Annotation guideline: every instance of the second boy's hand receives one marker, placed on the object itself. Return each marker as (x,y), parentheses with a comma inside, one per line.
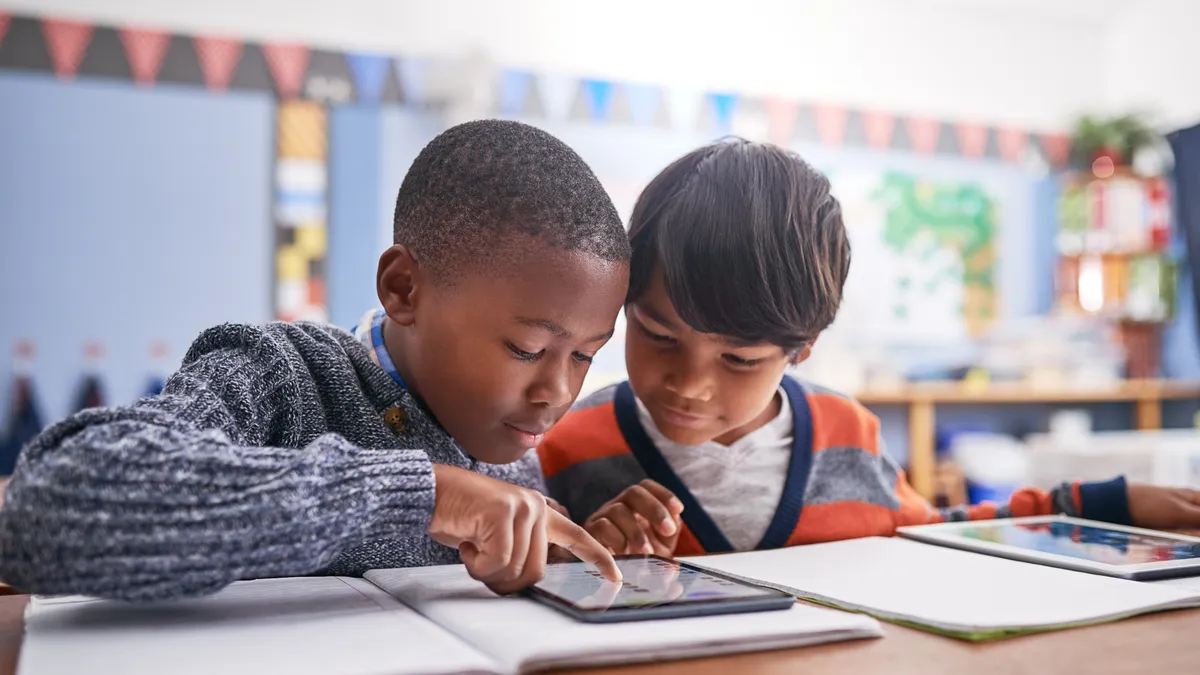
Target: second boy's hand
(644,518)
(503,532)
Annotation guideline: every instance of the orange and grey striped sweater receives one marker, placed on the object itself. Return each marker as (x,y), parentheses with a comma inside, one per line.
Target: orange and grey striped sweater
(839,483)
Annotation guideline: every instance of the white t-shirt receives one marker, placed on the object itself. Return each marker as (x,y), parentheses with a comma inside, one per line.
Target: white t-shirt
(739,485)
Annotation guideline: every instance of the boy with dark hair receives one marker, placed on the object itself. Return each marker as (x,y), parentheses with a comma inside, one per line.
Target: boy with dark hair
(291,449)
(739,258)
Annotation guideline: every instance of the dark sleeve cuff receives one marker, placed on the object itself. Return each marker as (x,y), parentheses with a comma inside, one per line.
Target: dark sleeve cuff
(1107,501)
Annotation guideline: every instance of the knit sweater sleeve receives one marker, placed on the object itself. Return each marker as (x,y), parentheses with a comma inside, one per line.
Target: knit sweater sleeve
(183,493)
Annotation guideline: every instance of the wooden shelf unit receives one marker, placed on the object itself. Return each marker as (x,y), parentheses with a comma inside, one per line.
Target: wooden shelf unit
(922,398)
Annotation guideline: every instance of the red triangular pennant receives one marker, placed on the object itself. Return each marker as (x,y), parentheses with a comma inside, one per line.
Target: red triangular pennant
(972,139)
(145,50)
(923,133)
(67,40)
(781,119)
(1057,148)
(288,64)
(1012,144)
(831,124)
(879,127)
(5,19)
(218,59)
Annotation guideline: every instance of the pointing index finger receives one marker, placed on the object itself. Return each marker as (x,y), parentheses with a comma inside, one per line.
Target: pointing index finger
(575,539)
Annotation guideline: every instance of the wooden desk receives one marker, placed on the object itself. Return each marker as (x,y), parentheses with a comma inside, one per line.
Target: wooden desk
(923,397)
(1161,643)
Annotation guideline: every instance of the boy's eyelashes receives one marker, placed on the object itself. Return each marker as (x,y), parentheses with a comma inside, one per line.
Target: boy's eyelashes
(657,337)
(732,359)
(532,357)
(739,362)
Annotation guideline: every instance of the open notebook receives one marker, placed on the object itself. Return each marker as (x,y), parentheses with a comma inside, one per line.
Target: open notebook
(948,591)
(426,621)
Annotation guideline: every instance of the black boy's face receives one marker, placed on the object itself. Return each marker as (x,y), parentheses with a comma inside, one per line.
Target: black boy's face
(500,356)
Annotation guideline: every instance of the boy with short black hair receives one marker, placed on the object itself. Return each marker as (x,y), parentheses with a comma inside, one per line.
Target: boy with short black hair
(291,449)
(739,259)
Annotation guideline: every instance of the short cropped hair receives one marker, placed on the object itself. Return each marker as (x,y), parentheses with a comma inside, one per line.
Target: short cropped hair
(473,189)
(750,242)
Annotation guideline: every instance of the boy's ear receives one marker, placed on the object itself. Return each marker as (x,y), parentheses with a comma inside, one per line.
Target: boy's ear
(805,352)
(399,282)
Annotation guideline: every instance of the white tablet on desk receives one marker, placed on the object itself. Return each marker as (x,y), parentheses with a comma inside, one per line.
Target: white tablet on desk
(1073,543)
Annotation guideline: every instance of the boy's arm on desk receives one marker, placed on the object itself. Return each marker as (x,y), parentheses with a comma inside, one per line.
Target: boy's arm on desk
(180,494)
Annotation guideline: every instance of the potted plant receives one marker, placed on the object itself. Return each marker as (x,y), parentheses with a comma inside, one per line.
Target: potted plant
(1117,139)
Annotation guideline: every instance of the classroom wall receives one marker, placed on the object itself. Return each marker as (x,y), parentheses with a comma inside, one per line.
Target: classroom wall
(1150,61)
(127,217)
(371,148)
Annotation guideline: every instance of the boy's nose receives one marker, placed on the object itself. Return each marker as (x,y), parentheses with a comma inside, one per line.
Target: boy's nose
(689,384)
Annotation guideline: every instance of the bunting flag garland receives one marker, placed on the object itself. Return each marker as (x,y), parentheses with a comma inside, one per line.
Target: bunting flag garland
(370,73)
(831,124)
(412,75)
(557,93)
(145,50)
(219,59)
(781,119)
(514,90)
(923,134)
(5,19)
(683,108)
(1057,148)
(599,95)
(645,102)
(67,41)
(145,56)
(723,106)
(972,139)
(287,63)
(879,126)
(1012,144)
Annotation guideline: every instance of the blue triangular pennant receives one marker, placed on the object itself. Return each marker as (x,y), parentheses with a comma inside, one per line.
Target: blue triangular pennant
(599,95)
(412,74)
(370,75)
(514,87)
(644,100)
(723,106)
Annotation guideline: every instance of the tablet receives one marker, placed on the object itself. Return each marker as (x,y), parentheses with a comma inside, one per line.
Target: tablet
(1073,543)
(653,588)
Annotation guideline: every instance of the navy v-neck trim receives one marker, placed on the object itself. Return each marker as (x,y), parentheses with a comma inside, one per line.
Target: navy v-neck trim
(710,536)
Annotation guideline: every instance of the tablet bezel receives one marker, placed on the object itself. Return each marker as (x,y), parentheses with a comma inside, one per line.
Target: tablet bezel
(772,599)
(946,534)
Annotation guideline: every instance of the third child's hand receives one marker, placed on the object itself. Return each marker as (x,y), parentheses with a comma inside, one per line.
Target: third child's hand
(642,519)
(1163,508)
(504,532)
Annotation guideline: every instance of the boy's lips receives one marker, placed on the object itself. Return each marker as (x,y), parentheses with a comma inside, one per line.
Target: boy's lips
(529,433)
(682,418)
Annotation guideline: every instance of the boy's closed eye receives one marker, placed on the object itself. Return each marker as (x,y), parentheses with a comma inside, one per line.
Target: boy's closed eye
(532,357)
(737,361)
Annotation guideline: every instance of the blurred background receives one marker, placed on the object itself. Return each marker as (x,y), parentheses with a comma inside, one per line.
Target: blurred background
(1019,179)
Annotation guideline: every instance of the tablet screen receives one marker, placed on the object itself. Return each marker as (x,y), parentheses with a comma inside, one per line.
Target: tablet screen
(648,582)
(1098,544)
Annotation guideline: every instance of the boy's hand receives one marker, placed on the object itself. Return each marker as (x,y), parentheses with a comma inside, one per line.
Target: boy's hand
(642,519)
(504,532)
(1163,508)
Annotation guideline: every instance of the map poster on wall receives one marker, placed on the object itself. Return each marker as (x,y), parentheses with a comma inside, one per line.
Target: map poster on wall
(924,257)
